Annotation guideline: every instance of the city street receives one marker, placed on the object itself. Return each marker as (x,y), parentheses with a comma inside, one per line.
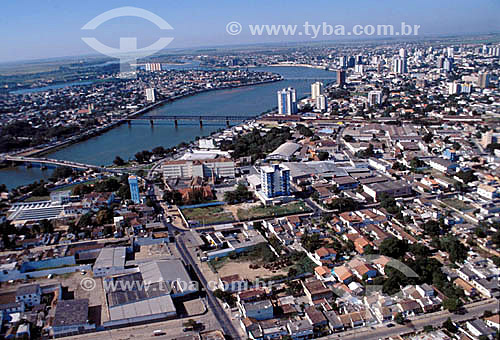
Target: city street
(474,310)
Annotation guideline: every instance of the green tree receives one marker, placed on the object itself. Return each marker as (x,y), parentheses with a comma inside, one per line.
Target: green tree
(84,221)
(119,161)
(450,326)
(452,304)
(323,155)
(399,318)
(104,216)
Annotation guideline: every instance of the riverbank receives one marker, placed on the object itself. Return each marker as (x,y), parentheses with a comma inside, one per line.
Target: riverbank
(99,131)
(126,140)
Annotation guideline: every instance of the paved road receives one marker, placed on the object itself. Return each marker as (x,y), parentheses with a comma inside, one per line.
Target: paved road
(474,310)
(213,303)
(172,328)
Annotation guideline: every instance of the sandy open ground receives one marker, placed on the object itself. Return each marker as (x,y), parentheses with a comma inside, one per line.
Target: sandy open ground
(243,268)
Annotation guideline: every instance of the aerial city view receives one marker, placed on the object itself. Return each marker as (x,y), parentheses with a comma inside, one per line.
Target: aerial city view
(250,170)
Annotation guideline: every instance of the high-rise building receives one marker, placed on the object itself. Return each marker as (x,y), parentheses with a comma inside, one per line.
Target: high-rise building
(466,88)
(374,98)
(351,61)
(440,61)
(321,103)
(341,75)
(316,90)
(152,67)
(450,51)
(134,189)
(275,180)
(399,65)
(483,79)
(448,64)
(454,88)
(487,138)
(150,95)
(402,53)
(343,61)
(287,101)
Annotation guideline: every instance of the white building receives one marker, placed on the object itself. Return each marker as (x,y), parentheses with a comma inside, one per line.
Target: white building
(316,90)
(487,191)
(375,98)
(110,261)
(275,180)
(205,168)
(150,95)
(321,103)
(287,101)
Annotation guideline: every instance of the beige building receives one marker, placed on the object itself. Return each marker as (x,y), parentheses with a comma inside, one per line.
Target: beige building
(217,167)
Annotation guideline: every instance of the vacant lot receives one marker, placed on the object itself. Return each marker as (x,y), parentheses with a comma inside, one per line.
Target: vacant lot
(243,268)
(259,212)
(458,204)
(208,215)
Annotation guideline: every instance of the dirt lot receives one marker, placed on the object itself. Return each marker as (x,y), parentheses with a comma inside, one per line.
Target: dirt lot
(243,268)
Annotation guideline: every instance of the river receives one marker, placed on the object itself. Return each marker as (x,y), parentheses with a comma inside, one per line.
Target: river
(125,140)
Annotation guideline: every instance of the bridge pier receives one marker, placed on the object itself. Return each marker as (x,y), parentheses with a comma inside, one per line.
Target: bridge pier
(129,122)
(227,123)
(151,122)
(201,124)
(176,123)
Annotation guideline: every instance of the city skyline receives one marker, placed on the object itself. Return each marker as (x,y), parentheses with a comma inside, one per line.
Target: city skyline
(51,29)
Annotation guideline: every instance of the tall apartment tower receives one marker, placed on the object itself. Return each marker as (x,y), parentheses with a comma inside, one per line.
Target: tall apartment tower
(287,101)
(399,65)
(134,189)
(321,103)
(150,95)
(483,79)
(316,90)
(341,75)
(275,180)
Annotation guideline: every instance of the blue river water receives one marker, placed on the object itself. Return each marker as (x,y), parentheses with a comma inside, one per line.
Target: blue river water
(126,140)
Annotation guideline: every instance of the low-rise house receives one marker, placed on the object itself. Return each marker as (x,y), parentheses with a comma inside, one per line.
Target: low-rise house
(409,307)
(300,329)
(316,290)
(232,283)
(324,254)
(343,274)
(323,273)
(334,321)
(493,321)
(477,328)
(251,295)
(259,310)
(365,270)
(315,317)
(469,290)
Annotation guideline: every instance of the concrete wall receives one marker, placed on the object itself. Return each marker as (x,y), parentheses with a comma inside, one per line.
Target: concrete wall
(50,263)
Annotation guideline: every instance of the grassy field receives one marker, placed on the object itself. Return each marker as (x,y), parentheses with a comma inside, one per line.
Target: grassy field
(208,215)
(457,204)
(259,212)
(37,198)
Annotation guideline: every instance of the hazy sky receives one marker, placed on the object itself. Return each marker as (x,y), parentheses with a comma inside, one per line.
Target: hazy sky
(51,28)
